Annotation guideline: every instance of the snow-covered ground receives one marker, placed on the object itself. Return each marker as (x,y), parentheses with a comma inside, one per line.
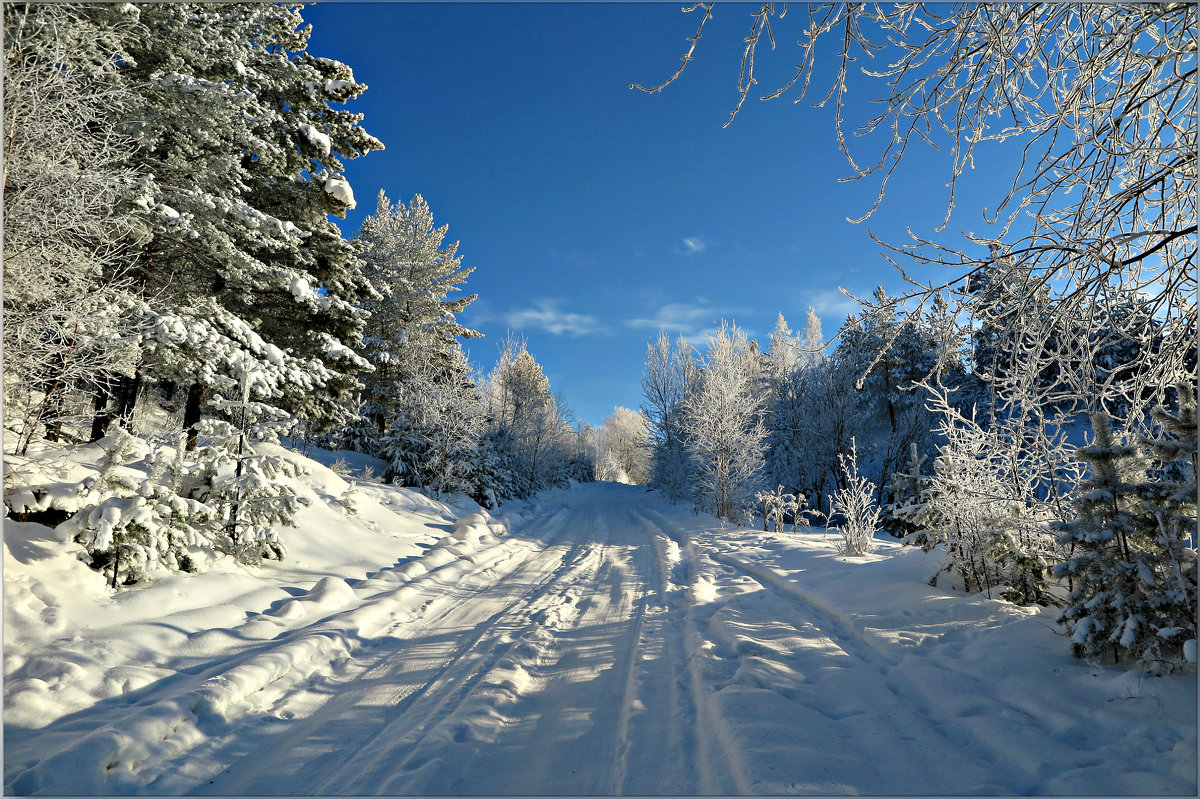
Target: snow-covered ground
(596,640)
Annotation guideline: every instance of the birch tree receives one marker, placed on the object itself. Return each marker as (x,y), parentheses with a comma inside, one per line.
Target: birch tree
(669,376)
(1099,98)
(67,229)
(723,419)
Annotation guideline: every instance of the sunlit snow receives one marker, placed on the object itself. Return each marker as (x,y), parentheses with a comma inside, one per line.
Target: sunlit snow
(595,640)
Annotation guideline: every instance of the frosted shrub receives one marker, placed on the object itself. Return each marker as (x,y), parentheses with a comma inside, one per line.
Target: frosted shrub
(348,501)
(856,503)
(992,497)
(780,505)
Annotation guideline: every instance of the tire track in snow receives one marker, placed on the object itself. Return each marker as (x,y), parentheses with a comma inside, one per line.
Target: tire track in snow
(983,765)
(717,767)
(628,697)
(505,634)
(134,745)
(431,697)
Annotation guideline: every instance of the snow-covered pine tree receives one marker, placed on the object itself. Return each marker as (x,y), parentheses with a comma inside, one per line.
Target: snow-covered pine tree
(216,268)
(317,314)
(142,524)
(888,352)
(412,335)
(723,419)
(785,408)
(493,469)
(810,415)
(906,496)
(245,486)
(1134,575)
(1171,497)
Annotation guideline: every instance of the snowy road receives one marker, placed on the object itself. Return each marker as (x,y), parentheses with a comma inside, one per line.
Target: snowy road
(614,644)
(547,666)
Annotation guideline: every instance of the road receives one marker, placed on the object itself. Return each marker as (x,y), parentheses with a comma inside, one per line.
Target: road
(610,644)
(554,664)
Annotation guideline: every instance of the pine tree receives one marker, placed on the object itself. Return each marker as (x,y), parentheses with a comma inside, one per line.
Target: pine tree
(907,494)
(243,485)
(240,268)
(412,334)
(1134,595)
(144,523)
(888,352)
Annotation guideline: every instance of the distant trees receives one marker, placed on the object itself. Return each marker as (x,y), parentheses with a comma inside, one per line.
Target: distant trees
(528,427)
(622,448)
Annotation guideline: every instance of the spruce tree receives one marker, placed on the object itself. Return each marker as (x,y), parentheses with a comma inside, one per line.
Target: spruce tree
(1134,594)
(240,269)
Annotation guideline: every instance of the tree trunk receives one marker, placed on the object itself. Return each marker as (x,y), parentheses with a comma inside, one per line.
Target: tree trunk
(101,418)
(54,422)
(127,396)
(191,413)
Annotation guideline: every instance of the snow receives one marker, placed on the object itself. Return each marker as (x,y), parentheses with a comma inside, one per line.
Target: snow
(594,640)
(300,288)
(317,139)
(339,188)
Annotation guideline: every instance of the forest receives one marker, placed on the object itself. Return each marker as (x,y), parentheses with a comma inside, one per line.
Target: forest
(176,294)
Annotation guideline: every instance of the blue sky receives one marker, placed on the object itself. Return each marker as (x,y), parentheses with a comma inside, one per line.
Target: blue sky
(595,214)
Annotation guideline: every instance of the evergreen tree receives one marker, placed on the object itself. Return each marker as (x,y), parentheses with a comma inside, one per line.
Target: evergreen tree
(412,334)
(1133,573)
(240,268)
(888,352)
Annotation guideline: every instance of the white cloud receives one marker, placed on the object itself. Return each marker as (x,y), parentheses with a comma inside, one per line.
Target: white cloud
(693,320)
(694,244)
(548,316)
(832,306)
